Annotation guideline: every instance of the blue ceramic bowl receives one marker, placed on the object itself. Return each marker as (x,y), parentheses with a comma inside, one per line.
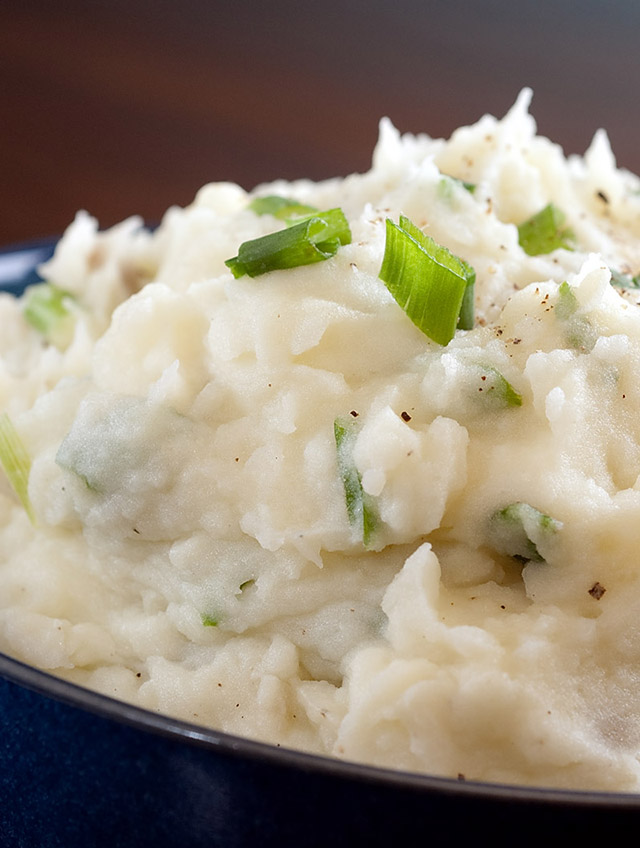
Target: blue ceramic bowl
(79,769)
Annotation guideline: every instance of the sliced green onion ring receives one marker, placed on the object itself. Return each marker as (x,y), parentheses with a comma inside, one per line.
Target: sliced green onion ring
(361,507)
(209,620)
(517,530)
(434,287)
(497,386)
(16,463)
(312,240)
(283,208)
(448,183)
(545,232)
(567,302)
(46,310)
(624,281)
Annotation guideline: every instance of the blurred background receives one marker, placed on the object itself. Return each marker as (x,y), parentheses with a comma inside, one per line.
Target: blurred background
(128,106)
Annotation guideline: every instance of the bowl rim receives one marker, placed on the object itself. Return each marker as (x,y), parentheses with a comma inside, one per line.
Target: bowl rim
(97,703)
(155,723)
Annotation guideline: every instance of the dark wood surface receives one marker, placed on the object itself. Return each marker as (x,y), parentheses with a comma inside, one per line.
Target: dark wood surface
(129,106)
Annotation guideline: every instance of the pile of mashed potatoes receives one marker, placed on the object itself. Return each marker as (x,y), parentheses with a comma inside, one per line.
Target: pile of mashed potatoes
(192,551)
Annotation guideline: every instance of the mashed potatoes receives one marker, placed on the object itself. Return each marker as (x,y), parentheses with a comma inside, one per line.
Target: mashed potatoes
(198,548)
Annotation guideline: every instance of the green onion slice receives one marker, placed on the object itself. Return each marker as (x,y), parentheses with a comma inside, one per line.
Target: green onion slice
(544,232)
(312,240)
(434,287)
(496,386)
(567,302)
(579,333)
(16,463)
(209,620)
(283,208)
(448,183)
(624,281)
(518,529)
(46,308)
(361,507)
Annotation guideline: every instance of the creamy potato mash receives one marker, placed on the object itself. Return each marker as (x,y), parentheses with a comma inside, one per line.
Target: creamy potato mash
(204,452)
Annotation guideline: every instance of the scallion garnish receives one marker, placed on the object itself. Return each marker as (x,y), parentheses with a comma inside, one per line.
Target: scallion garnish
(544,232)
(579,332)
(518,529)
(360,506)
(624,281)
(567,301)
(283,208)
(447,184)
(312,240)
(16,463)
(209,620)
(46,308)
(433,286)
(496,386)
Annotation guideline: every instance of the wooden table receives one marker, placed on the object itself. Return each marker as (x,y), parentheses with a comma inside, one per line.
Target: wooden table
(128,106)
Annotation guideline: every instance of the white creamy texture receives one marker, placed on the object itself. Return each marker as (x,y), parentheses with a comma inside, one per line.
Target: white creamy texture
(192,551)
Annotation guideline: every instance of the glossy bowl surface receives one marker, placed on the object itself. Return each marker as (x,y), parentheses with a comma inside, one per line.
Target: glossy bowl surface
(79,769)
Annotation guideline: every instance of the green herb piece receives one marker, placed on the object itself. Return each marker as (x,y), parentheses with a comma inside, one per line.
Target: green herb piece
(496,386)
(79,459)
(579,333)
(544,232)
(433,287)
(567,302)
(448,183)
(283,208)
(209,620)
(624,281)
(246,584)
(312,240)
(518,529)
(361,507)
(16,463)
(46,308)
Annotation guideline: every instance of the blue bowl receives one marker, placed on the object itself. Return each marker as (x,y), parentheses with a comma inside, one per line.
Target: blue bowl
(79,769)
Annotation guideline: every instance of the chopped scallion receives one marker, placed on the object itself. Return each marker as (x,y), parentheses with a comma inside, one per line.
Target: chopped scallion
(567,301)
(209,620)
(624,281)
(434,287)
(579,332)
(496,386)
(283,208)
(46,308)
(312,240)
(518,529)
(447,183)
(360,506)
(16,463)
(544,232)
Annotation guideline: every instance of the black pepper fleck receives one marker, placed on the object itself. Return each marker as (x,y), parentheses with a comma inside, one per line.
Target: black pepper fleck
(405,416)
(597,591)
